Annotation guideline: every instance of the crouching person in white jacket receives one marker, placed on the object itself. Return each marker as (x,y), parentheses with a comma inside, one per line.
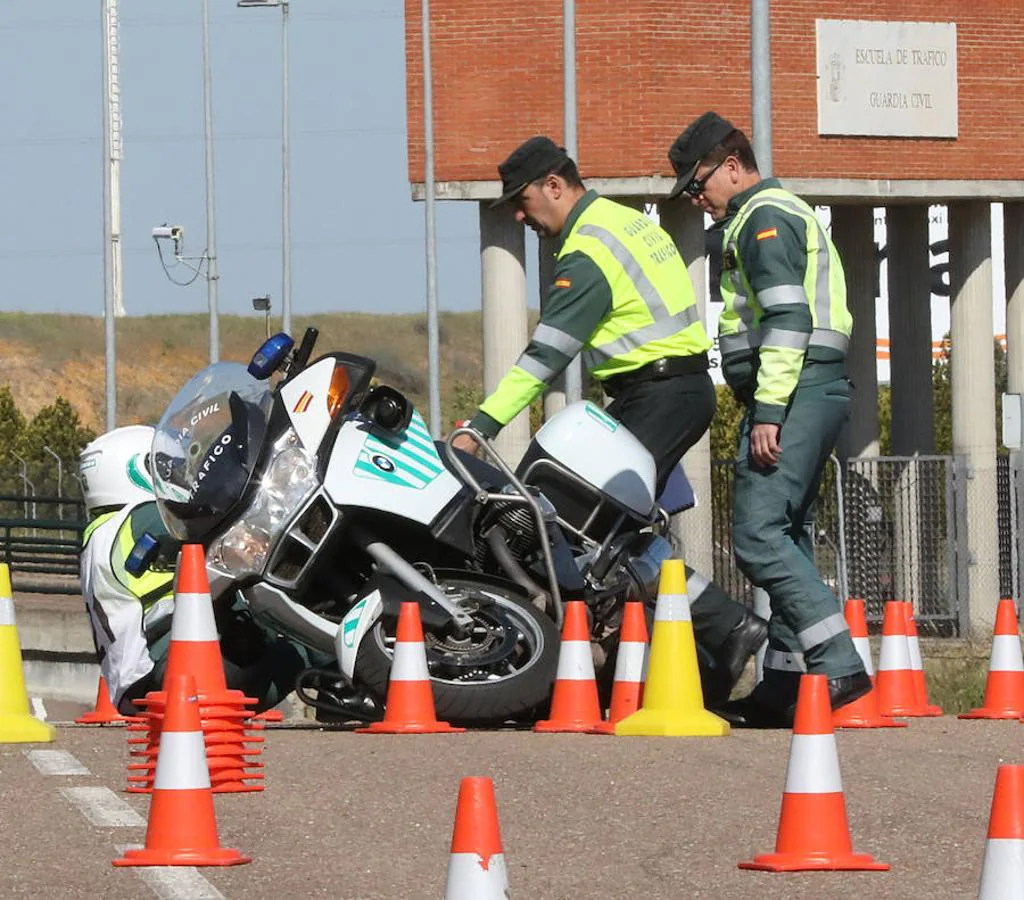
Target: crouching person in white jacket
(131,616)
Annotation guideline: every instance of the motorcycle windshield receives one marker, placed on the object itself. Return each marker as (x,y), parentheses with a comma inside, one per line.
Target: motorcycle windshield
(206,447)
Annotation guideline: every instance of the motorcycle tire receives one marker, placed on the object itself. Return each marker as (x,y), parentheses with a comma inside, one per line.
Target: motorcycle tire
(513,697)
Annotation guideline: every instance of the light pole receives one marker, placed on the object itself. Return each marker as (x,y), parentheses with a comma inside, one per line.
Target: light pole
(286,224)
(60,481)
(211,226)
(262,304)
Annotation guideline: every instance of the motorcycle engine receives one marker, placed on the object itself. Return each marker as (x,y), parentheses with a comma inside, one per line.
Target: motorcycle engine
(520,530)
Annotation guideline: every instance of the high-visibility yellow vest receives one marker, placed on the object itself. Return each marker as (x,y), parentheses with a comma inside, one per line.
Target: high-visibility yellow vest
(824,285)
(654,310)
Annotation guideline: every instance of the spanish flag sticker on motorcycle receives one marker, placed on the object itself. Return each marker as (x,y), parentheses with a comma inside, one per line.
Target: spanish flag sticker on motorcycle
(303,403)
(767,233)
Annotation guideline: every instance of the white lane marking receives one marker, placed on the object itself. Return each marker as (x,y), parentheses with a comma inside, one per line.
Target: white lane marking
(102,807)
(38,709)
(56,762)
(175,882)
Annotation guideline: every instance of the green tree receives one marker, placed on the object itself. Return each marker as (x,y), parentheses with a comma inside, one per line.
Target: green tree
(725,428)
(58,428)
(12,431)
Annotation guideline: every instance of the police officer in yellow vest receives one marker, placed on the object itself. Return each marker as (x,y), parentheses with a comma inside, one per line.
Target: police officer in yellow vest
(783,334)
(622,295)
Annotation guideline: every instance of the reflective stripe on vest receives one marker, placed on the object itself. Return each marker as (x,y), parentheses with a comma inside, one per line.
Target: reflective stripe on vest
(653,301)
(823,287)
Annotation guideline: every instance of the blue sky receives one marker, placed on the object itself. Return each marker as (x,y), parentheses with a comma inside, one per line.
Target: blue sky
(357,237)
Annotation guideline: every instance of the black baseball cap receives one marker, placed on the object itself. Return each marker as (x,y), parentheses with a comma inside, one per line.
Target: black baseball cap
(701,136)
(533,159)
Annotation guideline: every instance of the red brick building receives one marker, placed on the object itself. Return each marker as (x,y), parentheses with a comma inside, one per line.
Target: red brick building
(875,103)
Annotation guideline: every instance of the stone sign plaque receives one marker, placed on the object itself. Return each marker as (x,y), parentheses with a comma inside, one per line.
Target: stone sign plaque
(887,78)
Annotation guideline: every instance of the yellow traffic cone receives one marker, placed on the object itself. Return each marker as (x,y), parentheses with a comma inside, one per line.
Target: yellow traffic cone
(17,724)
(673,699)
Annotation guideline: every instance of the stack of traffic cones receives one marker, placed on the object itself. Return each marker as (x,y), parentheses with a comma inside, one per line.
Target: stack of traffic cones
(895,681)
(917,666)
(17,724)
(673,703)
(574,703)
(630,663)
(1004,689)
(103,713)
(476,867)
(863,712)
(813,829)
(410,702)
(225,714)
(1002,872)
(182,827)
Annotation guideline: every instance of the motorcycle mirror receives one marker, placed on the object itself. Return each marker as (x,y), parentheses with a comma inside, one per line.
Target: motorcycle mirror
(143,555)
(387,409)
(270,356)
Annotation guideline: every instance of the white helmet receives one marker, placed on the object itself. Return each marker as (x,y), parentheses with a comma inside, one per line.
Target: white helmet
(114,468)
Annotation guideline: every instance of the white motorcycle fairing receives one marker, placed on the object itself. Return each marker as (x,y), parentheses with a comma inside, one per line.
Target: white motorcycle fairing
(402,474)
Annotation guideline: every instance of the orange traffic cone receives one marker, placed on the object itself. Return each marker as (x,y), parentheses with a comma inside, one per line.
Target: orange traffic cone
(410,702)
(476,867)
(104,712)
(917,666)
(863,712)
(194,649)
(813,831)
(1004,689)
(895,681)
(630,664)
(1002,872)
(574,703)
(182,828)
(270,715)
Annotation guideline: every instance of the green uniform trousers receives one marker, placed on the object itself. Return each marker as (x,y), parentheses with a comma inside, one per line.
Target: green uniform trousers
(771,514)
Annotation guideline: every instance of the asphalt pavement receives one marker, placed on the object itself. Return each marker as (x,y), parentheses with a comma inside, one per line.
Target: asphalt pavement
(361,817)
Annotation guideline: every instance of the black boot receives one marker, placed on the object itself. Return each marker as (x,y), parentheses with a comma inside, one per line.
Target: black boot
(732,655)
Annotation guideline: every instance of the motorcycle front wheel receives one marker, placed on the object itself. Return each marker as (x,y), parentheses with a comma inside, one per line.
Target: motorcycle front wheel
(502,669)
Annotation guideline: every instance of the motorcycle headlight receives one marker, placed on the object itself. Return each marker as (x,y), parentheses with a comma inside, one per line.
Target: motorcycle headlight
(289,478)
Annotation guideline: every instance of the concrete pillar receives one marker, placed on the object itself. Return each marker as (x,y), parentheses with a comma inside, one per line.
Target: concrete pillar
(693,528)
(910,340)
(853,235)
(503,293)
(554,397)
(1013,248)
(973,389)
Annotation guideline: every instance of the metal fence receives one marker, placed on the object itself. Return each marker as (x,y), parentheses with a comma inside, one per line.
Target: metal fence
(40,541)
(883,528)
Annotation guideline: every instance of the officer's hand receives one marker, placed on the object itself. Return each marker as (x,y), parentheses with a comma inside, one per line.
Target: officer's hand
(764,444)
(465,443)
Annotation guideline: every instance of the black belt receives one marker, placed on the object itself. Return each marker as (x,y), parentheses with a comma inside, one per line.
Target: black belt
(666,367)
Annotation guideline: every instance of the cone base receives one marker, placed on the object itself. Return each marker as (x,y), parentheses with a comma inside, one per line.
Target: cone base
(669,723)
(552,726)
(814,862)
(924,712)
(880,722)
(982,713)
(270,715)
(221,856)
(94,718)
(410,728)
(21,728)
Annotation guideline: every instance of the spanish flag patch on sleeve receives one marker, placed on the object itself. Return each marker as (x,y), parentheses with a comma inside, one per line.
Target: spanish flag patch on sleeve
(563,283)
(767,233)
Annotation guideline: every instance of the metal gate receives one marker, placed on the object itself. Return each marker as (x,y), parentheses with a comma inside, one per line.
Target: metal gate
(883,528)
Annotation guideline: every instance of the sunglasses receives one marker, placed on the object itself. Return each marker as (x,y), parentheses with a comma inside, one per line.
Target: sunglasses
(695,187)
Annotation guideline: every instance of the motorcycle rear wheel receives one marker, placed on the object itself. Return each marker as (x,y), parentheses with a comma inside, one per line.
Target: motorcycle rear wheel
(502,671)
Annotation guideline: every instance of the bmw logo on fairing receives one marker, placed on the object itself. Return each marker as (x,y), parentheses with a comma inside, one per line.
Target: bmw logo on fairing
(383,463)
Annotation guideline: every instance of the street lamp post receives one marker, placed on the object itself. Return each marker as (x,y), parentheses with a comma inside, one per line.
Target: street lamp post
(211,227)
(286,225)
